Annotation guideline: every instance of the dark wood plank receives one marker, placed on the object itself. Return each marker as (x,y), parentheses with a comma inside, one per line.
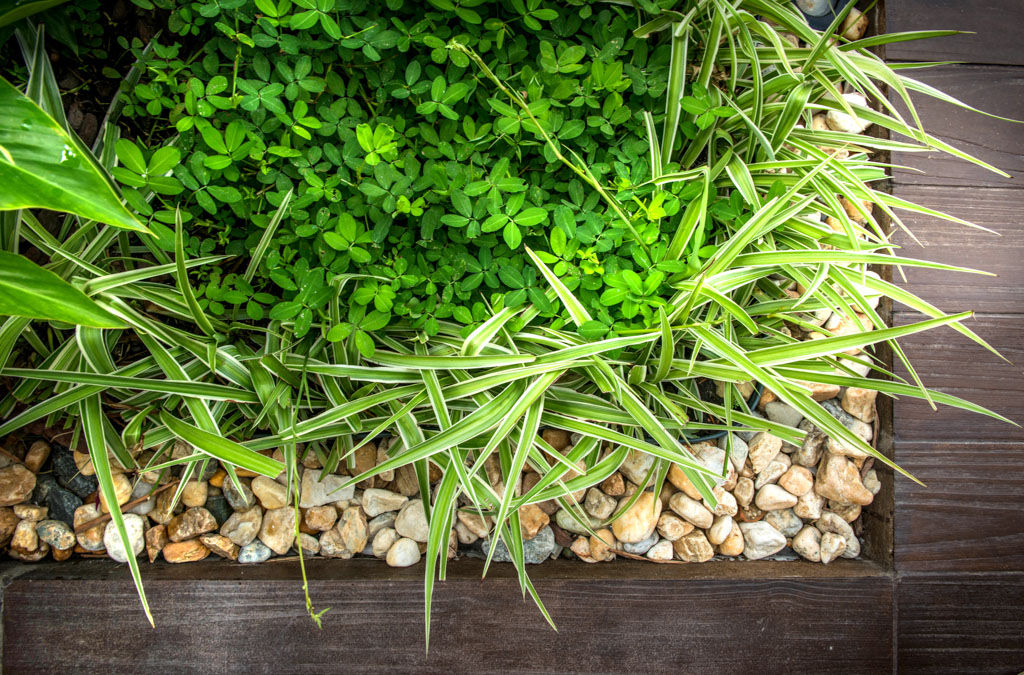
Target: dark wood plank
(955,244)
(961,624)
(968,516)
(951,363)
(992,23)
(997,90)
(706,626)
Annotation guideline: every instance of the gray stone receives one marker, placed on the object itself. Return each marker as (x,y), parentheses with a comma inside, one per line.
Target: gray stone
(316,492)
(254,552)
(376,501)
(403,553)
(141,490)
(412,521)
(243,526)
(239,501)
(69,476)
(642,547)
(565,521)
(783,413)
(62,504)
(636,466)
(56,533)
(738,456)
(535,551)
(785,521)
(219,507)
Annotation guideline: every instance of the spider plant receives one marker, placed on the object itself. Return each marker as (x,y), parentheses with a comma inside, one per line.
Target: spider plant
(462,399)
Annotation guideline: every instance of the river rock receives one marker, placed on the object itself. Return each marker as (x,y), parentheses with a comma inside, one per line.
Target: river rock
(135,527)
(377,501)
(691,510)
(860,403)
(734,543)
(832,545)
(278,529)
(763,449)
(383,542)
(661,551)
(809,506)
(636,466)
(639,521)
(56,533)
(672,527)
(254,552)
(740,450)
(404,553)
(321,518)
(693,547)
(839,480)
(8,523)
(531,520)
(351,527)
(719,531)
(797,480)
(411,522)
(240,500)
(220,545)
(68,475)
(807,543)
(195,493)
(315,492)
(785,521)
(62,504)
(639,548)
(185,551)
(761,540)
(783,413)
(535,551)
(599,505)
(191,524)
(772,498)
(156,539)
(743,492)
(243,526)
(16,484)
(270,493)
(92,538)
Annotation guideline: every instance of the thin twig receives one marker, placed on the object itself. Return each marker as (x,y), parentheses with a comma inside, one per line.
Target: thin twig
(98,520)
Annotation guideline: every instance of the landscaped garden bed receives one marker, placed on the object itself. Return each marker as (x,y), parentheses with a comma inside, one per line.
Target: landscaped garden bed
(454,280)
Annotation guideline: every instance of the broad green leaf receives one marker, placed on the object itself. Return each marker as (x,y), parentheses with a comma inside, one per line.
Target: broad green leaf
(28,290)
(41,166)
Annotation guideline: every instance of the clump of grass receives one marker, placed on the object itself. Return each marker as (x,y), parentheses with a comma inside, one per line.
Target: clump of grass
(736,134)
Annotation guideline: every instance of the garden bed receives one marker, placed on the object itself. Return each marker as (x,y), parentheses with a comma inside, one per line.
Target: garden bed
(349,526)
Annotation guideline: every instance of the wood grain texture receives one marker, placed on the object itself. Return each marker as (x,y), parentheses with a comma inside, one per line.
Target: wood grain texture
(968,516)
(993,24)
(720,626)
(951,363)
(941,241)
(961,623)
(997,90)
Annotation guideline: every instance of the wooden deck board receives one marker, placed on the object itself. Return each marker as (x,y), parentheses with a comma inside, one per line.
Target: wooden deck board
(721,626)
(996,90)
(941,241)
(994,24)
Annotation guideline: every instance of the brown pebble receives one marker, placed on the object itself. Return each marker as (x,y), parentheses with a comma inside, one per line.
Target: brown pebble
(185,551)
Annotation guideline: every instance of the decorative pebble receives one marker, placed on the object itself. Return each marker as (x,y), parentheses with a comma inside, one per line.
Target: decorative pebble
(691,510)
(832,545)
(661,551)
(535,551)
(243,526)
(639,520)
(56,533)
(761,540)
(135,527)
(377,501)
(693,547)
(638,548)
(315,492)
(16,484)
(404,553)
(254,552)
(270,493)
(240,500)
(807,543)
(185,551)
(772,497)
(411,522)
(277,530)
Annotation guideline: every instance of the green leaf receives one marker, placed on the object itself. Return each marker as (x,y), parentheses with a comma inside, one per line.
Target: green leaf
(41,166)
(222,448)
(31,291)
(12,11)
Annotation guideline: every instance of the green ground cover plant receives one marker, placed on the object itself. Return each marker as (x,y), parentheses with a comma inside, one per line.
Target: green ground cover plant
(311,222)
